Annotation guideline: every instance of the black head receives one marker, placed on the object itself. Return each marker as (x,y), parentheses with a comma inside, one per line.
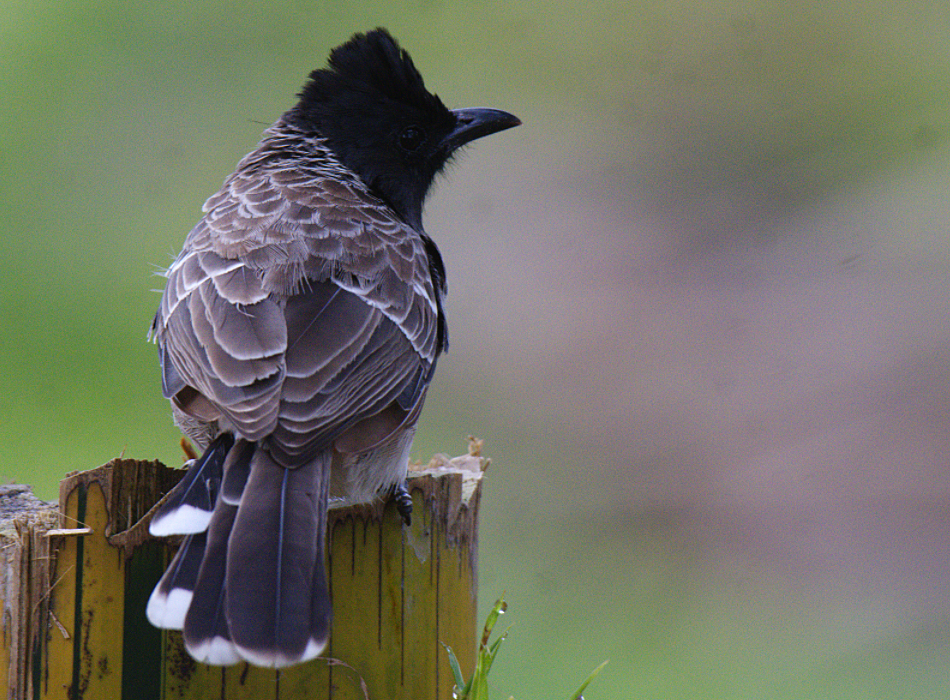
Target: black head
(372,107)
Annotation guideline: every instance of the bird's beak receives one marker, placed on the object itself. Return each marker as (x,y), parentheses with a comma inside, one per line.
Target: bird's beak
(471,124)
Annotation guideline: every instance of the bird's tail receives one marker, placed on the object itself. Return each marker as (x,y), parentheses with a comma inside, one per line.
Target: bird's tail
(253,585)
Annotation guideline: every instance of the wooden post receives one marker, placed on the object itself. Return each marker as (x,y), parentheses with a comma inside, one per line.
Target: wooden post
(76,580)
(24,557)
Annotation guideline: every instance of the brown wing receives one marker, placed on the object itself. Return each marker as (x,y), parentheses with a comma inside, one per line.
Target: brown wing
(299,306)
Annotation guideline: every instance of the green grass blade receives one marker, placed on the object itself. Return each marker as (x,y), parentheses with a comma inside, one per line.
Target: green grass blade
(593,674)
(497,611)
(456,669)
(477,686)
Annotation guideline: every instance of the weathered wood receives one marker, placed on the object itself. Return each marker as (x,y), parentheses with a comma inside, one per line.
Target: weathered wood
(24,582)
(76,579)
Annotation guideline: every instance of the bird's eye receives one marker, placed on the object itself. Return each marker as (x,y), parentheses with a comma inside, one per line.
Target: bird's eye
(411,138)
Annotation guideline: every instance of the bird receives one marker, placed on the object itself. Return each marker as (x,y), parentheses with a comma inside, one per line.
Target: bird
(297,333)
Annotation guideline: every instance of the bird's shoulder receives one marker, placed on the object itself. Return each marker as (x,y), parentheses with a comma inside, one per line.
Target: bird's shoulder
(293,212)
(292,216)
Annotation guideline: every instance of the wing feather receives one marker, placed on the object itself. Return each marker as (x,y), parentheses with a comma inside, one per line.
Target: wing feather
(301,305)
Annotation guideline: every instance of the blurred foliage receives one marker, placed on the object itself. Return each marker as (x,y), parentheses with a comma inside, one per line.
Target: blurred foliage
(476,688)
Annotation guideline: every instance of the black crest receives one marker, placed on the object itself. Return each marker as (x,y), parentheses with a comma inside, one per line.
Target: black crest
(375,63)
(371,108)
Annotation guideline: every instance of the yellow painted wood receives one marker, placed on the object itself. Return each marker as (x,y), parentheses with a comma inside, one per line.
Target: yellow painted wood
(455,545)
(183,677)
(306,680)
(246,682)
(88,626)
(398,593)
(425,589)
(100,633)
(390,661)
(420,603)
(457,582)
(353,567)
(57,680)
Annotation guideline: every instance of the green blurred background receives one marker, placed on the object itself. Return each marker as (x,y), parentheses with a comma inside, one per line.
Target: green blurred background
(698,307)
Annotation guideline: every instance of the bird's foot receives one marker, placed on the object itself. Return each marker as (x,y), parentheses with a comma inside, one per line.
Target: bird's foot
(403,502)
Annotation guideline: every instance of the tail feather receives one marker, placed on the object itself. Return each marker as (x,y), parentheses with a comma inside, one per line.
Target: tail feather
(253,585)
(188,507)
(321,611)
(278,605)
(237,468)
(206,631)
(172,597)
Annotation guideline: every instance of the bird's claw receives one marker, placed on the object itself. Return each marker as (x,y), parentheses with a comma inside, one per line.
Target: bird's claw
(403,502)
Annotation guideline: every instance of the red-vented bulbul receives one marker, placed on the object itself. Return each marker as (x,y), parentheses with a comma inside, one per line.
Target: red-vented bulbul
(298,332)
